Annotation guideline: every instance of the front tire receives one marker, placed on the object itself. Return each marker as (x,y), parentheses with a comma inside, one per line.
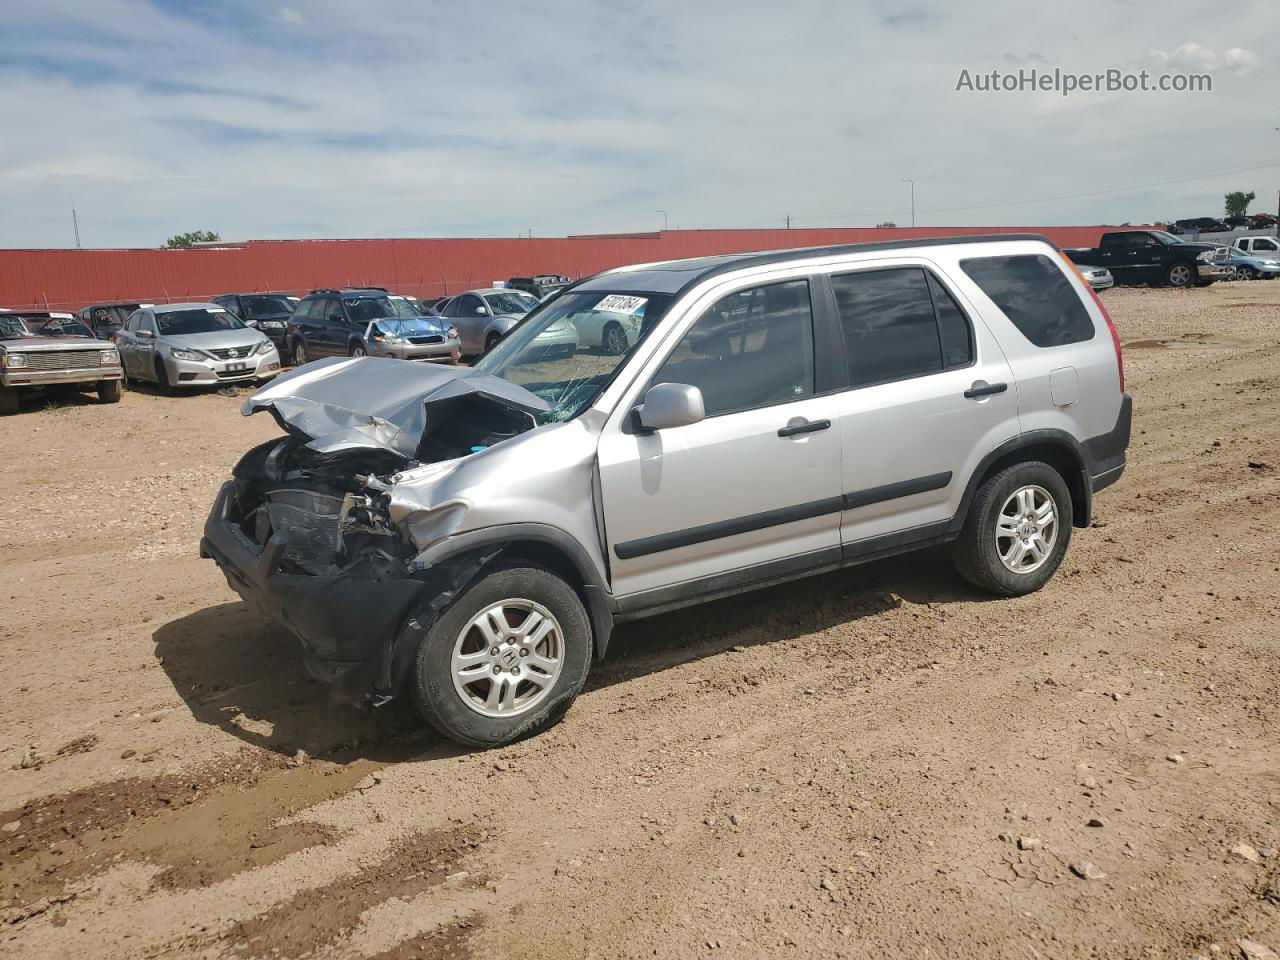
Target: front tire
(615,340)
(491,341)
(110,391)
(162,378)
(1017,530)
(505,660)
(8,401)
(358,350)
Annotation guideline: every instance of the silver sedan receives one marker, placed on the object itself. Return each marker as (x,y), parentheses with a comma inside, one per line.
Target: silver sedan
(193,345)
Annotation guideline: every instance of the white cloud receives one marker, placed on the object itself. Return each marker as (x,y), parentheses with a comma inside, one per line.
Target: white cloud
(1240,62)
(290,15)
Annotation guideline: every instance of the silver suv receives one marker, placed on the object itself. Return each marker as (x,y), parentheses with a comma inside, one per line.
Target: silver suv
(471,536)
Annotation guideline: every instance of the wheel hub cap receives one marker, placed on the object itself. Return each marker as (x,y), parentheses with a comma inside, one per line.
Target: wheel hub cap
(1026,529)
(507,658)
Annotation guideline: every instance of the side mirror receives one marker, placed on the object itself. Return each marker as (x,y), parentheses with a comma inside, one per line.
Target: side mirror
(481,312)
(670,405)
(144,334)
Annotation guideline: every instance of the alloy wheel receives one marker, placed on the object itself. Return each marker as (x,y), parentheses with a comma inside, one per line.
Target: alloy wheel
(507,658)
(1026,529)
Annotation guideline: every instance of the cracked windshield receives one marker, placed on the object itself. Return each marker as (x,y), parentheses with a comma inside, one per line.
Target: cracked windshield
(568,350)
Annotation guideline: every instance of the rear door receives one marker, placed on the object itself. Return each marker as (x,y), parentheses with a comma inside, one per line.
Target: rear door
(327,320)
(929,392)
(754,484)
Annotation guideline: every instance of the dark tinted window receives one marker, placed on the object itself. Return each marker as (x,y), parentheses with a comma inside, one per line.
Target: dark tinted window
(1036,295)
(953,326)
(177,323)
(751,349)
(889,327)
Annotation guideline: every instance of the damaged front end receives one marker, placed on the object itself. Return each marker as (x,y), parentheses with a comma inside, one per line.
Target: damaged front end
(305,531)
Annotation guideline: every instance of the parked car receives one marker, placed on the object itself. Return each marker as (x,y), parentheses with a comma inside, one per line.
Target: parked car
(268,312)
(1268,247)
(1253,266)
(469,537)
(432,306)
(1099,278)
(1235,223)
(540,286)
(1260,221)
(1155,256)
(368,321)
(40,350)
(105,319)
(483,317)
(193,345)
(1201,225)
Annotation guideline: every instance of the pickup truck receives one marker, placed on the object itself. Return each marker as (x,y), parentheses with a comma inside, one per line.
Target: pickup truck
(39,350)
(1268,247)
(1155,256)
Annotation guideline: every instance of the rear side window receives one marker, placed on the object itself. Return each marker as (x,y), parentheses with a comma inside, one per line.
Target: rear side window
(1035,295)
(899,323)
(753,348)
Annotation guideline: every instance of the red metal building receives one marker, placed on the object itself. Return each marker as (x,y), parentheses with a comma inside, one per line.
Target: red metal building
(68,279)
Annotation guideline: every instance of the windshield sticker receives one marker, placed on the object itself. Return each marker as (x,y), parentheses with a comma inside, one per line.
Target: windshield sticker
(617,303)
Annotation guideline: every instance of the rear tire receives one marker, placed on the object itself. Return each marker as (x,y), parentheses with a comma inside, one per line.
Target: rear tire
(456,708)
(299,352)
(991,534)
(614,340)
(1181,275)
(110,391)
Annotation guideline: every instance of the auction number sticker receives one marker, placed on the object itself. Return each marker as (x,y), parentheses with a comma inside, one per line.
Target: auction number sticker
(618,303)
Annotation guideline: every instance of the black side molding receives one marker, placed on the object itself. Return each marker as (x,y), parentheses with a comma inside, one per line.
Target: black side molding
(630,549)
(892,491)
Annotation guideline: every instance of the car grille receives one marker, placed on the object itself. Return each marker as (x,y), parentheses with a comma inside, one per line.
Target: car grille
(60,359)
(433,338)
(310,522)
(1221,255)
(233,374)
(231,353)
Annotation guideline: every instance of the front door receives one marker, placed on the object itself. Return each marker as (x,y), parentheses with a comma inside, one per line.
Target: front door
(929,392)
(755,482)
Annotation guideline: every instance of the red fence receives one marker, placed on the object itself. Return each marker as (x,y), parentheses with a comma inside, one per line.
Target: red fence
(67,279)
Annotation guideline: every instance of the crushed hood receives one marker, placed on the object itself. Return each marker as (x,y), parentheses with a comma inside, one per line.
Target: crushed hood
(341,404)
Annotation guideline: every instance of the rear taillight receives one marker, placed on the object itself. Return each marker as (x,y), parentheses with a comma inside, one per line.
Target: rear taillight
(1115,334)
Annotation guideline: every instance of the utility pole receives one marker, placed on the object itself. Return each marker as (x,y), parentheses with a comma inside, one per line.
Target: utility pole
(664,218)
(788,221)
(913,198)
(75,223)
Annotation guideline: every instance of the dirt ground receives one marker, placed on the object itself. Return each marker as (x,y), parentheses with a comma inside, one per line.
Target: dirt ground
(876,763)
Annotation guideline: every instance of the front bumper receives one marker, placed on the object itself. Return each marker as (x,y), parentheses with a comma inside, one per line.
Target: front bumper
(1212,271)
(23,377)
(204,373)
(1102,283)
(348,625)
(447,351)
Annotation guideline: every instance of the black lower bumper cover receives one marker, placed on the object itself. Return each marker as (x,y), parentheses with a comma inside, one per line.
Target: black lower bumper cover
(358,634)
(1105,454)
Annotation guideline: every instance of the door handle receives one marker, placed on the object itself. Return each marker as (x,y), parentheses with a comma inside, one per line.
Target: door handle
(807,426)
(980,389)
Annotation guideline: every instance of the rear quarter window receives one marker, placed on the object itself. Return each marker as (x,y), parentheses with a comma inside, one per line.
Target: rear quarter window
(1035,295)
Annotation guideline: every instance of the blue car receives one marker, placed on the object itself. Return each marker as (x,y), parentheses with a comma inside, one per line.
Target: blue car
(1252,266)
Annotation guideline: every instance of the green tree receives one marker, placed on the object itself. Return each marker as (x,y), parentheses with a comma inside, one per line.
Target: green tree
(181,241)
(1238,203)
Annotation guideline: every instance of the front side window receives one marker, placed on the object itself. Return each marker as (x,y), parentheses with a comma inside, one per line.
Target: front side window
(1035,295)
(178,323)
(899,323)
(754,348)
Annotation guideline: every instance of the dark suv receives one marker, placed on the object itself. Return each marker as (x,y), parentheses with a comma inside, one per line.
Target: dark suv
(268,312)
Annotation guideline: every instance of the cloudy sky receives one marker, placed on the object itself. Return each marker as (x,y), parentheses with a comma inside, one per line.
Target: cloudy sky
(321,118)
